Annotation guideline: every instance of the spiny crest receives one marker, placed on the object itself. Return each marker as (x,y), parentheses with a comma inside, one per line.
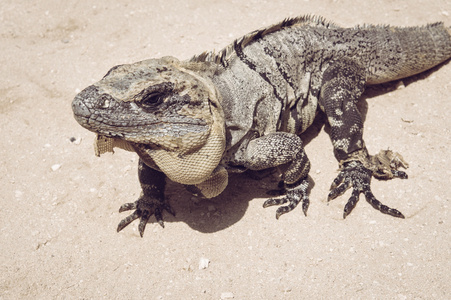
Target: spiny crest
(385,26)
(223,56)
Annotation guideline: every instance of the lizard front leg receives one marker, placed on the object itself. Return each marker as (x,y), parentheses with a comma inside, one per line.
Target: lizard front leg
(150,202)
(283,150)
(342,85)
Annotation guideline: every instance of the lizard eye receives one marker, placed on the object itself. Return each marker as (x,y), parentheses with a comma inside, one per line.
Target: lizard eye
(152,100)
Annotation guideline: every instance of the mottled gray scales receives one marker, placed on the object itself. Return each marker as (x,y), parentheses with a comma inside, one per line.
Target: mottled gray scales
(244,107)
(342,85)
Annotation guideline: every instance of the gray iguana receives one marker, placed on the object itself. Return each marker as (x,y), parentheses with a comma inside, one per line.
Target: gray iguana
(244,107)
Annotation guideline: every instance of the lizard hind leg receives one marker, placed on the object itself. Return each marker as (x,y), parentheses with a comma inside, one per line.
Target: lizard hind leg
(343,83)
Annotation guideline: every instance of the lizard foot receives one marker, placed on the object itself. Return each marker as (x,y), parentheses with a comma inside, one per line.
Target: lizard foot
(356,175)
(295,193)
(144,208)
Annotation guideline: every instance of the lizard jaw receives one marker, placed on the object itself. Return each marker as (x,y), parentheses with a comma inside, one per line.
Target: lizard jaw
(92,110)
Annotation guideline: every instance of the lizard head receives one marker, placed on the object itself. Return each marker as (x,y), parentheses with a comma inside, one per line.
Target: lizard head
(159,102)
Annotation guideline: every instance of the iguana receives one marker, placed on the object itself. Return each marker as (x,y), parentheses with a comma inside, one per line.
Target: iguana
(243,108)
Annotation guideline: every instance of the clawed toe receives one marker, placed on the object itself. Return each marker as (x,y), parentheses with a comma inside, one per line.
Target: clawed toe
(355,175)
(124,222)
(144,209)
(294,194)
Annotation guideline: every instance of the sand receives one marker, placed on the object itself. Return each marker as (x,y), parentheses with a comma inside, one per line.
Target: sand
(59,203)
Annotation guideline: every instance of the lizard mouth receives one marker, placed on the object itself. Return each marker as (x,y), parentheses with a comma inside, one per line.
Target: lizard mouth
(103,114)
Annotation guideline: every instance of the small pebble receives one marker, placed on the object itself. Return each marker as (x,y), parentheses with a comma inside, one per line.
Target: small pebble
(56,167)
(227,295)
(203,263)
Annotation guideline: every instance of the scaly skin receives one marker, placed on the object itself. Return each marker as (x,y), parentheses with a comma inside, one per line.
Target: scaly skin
(244,107)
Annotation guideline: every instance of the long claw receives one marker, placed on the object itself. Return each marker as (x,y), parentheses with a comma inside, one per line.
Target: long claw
(159,217)
(339,179)
(352,202)
(272,202)
(142,224)
(144,207)
(381,207)
(399,174)
(359,177)
(128,206)
(340,189)
(305,205)
(295,193)
(122,224)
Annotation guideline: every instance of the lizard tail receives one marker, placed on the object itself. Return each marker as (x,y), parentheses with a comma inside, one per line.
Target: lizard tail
(410,50)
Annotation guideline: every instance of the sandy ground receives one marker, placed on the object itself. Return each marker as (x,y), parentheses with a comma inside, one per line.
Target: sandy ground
(59,203)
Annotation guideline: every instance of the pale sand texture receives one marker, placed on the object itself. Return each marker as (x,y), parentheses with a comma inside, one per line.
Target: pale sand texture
(59,203)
